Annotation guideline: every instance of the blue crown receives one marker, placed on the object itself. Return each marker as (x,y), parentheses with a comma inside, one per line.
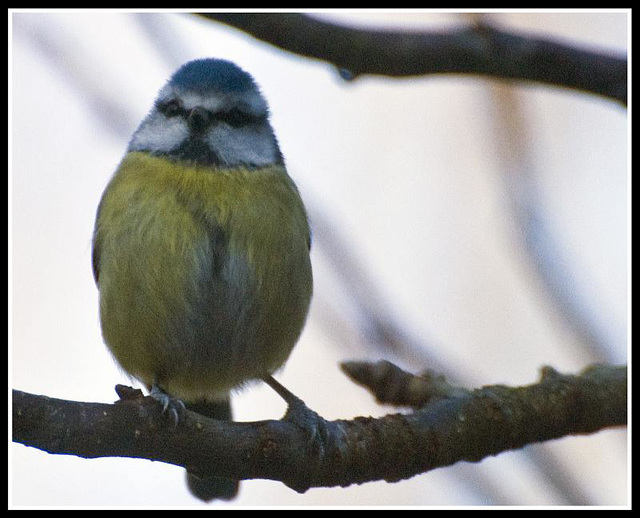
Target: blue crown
(208,75)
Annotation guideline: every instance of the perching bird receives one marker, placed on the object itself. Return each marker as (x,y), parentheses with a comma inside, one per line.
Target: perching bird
(201,248)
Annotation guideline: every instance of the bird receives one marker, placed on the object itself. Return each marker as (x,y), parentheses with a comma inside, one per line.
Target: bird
(201,249)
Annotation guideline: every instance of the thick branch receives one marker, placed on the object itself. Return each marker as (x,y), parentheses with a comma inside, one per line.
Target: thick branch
(479,49)
(456,425)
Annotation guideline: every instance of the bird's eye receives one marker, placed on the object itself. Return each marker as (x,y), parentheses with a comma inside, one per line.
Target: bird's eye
(171,108)
(236,118)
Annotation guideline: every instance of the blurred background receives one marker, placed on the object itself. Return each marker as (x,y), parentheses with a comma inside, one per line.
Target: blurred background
(472,226)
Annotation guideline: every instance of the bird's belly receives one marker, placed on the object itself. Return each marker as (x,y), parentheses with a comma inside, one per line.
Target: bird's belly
(200,334)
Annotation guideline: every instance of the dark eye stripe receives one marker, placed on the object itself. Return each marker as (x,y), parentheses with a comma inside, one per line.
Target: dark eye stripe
(237,118)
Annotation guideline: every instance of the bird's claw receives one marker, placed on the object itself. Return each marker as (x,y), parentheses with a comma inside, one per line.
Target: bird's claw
(315,426)
(323,436)
(174,408)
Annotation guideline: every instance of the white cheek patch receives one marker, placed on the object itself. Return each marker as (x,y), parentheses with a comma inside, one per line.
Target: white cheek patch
(158,134)
(243,146)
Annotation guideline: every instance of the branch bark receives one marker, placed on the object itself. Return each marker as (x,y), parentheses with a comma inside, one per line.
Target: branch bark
(451,425)
(479,49)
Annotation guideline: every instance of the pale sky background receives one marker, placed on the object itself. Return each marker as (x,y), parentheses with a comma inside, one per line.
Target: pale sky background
(410,174)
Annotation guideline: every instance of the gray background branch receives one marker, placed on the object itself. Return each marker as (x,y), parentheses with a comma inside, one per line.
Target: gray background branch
(481,49)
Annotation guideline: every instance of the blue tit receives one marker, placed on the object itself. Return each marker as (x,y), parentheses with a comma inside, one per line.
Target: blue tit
(201,247)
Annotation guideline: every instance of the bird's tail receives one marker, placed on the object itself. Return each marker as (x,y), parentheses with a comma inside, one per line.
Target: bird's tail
(211,488)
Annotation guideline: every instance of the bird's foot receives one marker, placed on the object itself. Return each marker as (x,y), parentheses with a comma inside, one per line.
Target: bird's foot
(324,436)
(172,407)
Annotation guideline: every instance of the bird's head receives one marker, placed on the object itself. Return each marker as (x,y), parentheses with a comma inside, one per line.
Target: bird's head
(210,113)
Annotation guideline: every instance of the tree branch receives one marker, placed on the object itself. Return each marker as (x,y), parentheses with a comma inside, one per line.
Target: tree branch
(479,49)
(451,425)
